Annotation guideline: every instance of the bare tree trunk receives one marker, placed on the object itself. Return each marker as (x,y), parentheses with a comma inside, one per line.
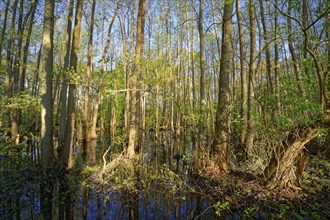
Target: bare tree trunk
(244,85)
(193,82)
(87,143)
(178,98)
(4,27)
(9,81)
(296,66)
(65,79)
(276,65)
(304,21)
(252,71)
(46,89)
(202,74)
(63,111)
(267,48)
(27,45)
(16,73)
(133,126)
(221,144)
(70,121)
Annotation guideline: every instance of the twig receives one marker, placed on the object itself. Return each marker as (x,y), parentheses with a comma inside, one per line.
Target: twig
(104,160)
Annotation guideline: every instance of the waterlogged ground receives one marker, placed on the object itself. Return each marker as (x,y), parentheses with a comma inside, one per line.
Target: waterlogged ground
(164,193)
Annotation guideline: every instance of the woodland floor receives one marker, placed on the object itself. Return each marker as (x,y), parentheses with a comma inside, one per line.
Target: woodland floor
(243,194)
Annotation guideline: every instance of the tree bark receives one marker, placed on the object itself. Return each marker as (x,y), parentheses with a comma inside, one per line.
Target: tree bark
(244,85)
(221,145)
(4,27)
(87,143)
(133,126)
(252,71)
(9,81)
(64,91)
(267,48)
(202,75)
(70,123)
(296,66)
(276,65)
(46,89)
(16,72)
(27,45)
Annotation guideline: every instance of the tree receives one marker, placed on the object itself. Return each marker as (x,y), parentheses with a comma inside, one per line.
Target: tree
(252,72)
(70,123)
(67,43)
(221,145)
(4,27)
(89,153)
(46,92)
(67,156)
(244,84)
(133,126)
(202,73)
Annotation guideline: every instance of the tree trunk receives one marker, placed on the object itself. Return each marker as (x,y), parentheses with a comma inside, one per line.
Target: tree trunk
(252,72)
(221,145)
(304,21)
(276,65)
(27,45)
(2,39)
(267,48)
(244,85)
(63,111)
(202,75)
(296,66)
(133,126)
(64,91)
(4,27)
(9,83)
(87,146)
(16,72)
(46,89)
(70,123)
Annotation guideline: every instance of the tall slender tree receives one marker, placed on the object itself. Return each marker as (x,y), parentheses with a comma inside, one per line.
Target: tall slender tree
(64,91)
(221,144)
(4,27)
(46,92)
(252,72)
(89,153)
(244,85)
(202,72)
(70,123)
(133,126)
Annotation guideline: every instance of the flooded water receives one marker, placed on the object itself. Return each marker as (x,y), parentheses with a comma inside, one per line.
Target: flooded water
(114,205)
(117,206)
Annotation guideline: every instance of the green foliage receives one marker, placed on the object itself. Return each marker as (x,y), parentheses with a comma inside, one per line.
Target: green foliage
(22,101)
(249,211)
(220,207)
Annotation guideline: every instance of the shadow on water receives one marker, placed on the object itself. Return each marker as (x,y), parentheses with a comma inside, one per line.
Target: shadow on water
(116,205)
